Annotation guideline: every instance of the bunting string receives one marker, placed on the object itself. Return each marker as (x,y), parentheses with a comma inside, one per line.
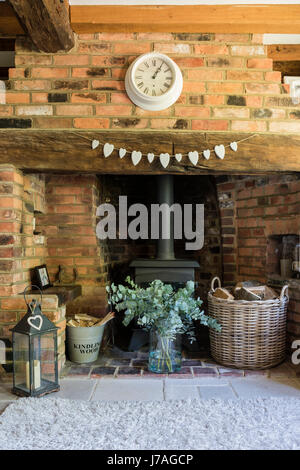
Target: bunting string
(193,156)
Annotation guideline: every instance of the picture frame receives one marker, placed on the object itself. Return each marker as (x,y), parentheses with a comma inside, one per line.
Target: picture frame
(41,277)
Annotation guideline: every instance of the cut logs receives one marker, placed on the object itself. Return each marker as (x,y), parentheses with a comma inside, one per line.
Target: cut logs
(84,320)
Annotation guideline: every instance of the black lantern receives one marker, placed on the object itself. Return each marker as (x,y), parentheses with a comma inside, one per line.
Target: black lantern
(35,367)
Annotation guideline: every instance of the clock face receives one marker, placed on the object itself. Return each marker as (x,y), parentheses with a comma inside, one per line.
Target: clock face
(153,76)
(153,81)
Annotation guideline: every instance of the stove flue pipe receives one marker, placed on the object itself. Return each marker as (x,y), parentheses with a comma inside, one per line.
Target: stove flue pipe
(165,247)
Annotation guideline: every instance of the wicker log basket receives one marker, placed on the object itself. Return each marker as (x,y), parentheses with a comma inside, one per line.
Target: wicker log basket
(253,333)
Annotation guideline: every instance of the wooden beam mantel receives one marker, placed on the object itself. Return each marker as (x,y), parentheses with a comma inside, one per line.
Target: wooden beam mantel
(46,22)
(186,18)
(67,151)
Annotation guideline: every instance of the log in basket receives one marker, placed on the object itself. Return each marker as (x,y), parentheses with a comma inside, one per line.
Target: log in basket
(253,333)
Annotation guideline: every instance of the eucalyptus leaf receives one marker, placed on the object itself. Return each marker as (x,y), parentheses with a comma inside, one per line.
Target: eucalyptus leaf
(159,306)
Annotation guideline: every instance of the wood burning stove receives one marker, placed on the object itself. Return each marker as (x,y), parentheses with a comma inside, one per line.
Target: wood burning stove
(165,267)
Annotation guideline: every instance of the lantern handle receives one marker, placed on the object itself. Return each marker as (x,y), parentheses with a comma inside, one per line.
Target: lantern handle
(30,287)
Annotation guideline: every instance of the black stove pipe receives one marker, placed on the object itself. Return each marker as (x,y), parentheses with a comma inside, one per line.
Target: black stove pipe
(165,247)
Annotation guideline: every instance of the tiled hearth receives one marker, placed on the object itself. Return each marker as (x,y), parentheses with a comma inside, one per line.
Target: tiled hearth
(116,377)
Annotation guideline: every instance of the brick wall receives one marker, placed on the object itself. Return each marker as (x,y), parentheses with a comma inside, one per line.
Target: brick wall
(229,85)
(69,227)
(252,210)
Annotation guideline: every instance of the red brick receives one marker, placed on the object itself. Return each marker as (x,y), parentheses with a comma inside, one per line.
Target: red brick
(211,49)
(254,101)
(109,61)
(87,97)
(16,73)
(189,62)
(244,76)
(12,98)
(260,64)
(6,110)
(38,59)
(70,59)
(49,72)
(292,127)
(211,125)
(32,85)
(91,123)
(108,85)
(172,48)
(132,47)
(262,88)
(193,87)
(273,77)
(94,48)
(113,110)
(89,72)
(248,50)
(164,123)
(52,123)
(237,112)
(231,38)
(192,111)
(73,110)
(205,75)
(120,98)
(249,126)
(225,88)
(39,97)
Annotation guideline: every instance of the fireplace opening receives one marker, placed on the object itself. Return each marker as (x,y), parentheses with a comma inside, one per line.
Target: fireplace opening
(168,260)
(52,220)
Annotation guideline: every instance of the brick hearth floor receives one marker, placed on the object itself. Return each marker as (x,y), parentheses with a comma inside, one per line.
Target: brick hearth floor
(127,378)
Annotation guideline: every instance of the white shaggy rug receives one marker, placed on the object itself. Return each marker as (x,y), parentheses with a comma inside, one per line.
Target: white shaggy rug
(55,423)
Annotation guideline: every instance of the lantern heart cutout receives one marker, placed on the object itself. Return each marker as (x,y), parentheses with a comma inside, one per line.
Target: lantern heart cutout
(122,153)
(206,154)
(194,157)
(108,150)
(178,157)
(220,151)
(95,144)
(38,326)
(136,157)
(164,159)
(234,146)
(150,157)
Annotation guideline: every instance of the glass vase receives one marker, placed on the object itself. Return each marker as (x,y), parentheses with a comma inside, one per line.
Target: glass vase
(164,353)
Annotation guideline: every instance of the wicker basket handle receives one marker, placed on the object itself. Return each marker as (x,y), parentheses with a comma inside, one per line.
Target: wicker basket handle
(284,292)
(212,286)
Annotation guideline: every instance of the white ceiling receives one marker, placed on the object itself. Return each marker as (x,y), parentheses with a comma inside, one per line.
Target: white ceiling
(184,2)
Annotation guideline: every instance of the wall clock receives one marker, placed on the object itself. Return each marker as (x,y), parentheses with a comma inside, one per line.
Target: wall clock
(153,81)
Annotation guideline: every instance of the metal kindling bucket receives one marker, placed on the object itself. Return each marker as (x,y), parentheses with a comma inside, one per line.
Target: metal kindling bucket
(84,343)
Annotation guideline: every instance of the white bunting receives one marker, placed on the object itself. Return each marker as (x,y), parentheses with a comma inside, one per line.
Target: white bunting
(150,157)
(122,153)
(136,157)
(193,157)
(164,159)
(178,157)
(220,151)
(108,150)
(234,146)
(206,154)
(95,144)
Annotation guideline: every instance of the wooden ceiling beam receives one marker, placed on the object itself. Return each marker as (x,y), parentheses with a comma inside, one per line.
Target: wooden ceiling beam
(46,22)
(284,52)
(186,18)
(9,23)
(67,151)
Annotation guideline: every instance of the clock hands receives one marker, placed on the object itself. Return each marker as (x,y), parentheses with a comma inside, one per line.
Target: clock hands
(156,72)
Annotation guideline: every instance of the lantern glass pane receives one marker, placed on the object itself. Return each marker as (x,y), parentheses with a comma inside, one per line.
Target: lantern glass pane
(21,362)
(48,357)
